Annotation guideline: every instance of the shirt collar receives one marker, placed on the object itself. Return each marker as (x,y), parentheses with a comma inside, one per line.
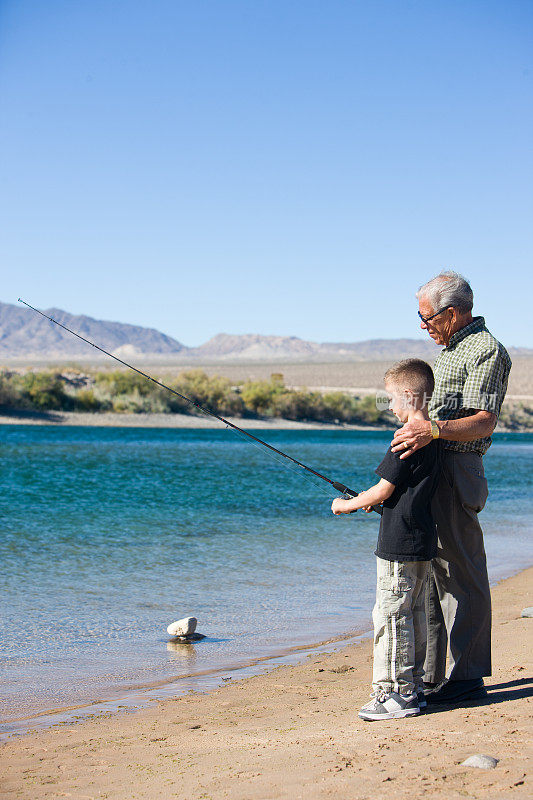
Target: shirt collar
(477,324)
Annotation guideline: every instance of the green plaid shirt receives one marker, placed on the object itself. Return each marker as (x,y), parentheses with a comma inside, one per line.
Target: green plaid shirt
(470,375)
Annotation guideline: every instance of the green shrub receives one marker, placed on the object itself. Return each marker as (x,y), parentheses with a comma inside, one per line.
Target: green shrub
(10,394)
(45,390)
(367,412)
(259,396)
(86,400)
(296,406)
(127,404)
(339,407)
(120,382)
(135,403)
(214,393)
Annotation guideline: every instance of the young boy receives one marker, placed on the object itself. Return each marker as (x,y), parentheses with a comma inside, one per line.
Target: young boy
(407,542)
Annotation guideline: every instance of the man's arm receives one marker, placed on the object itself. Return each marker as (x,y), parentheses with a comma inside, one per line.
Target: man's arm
(414,435)
(371,497)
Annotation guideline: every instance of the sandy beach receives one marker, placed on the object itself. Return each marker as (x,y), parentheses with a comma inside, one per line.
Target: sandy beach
(294,733)
(188,421)
(109,420)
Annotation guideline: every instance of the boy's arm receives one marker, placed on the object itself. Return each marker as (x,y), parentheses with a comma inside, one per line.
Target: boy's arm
(371,497)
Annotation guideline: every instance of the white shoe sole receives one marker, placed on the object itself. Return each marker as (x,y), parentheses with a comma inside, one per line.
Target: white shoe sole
(372,717)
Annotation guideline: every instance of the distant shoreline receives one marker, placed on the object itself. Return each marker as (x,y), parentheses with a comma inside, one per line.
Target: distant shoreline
(116,420)
(154,420)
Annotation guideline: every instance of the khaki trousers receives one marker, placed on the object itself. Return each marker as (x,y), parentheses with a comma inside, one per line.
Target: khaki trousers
(458,605)
(399,625)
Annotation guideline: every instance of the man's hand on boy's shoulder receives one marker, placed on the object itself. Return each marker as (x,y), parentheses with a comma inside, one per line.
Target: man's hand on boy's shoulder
(411,437)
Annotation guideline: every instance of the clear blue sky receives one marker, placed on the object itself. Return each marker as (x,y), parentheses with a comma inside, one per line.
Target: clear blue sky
(293,168)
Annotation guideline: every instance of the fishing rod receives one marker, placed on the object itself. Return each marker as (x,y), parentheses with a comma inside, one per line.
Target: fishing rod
(339,487)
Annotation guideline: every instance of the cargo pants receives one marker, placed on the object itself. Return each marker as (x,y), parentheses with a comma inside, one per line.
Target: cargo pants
(399,626)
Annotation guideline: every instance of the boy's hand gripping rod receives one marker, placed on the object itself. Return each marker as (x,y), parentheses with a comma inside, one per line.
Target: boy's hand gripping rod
(339,487)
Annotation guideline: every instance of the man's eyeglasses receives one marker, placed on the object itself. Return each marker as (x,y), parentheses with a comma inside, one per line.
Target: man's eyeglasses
(425,320)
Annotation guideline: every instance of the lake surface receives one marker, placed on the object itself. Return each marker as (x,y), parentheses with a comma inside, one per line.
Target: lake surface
(109,534)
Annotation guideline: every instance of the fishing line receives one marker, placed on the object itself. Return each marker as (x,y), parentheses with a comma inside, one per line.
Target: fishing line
(339,487)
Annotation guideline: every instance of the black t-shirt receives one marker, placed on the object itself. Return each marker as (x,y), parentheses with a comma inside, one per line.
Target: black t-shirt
(407,531)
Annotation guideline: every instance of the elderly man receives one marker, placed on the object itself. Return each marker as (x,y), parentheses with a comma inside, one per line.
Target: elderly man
(471,375)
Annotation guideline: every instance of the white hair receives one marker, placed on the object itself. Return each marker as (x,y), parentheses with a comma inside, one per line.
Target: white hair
(448,289)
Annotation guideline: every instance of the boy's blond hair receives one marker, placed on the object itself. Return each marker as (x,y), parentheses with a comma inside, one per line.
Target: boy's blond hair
(414,375)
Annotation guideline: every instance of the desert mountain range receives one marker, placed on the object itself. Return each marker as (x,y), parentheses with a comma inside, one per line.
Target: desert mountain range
(24,335)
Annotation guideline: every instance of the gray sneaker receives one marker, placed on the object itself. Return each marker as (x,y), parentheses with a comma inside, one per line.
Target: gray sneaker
(421,697)
(390,705)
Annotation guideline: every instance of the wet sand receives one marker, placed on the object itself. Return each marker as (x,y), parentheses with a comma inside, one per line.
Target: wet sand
(294,733)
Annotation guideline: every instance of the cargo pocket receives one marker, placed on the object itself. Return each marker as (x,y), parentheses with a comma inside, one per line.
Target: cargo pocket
(395,584)
(393,591)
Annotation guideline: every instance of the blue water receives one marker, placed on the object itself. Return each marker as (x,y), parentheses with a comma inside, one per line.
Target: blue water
(109,534)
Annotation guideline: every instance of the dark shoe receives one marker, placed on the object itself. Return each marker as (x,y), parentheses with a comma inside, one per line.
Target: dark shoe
(457,691)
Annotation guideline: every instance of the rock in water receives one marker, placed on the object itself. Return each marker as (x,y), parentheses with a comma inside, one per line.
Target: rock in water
(176,643)
(527,612)
(183,627)
(480,761)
